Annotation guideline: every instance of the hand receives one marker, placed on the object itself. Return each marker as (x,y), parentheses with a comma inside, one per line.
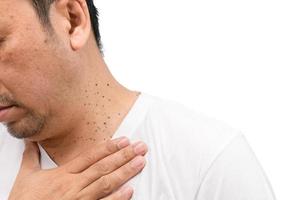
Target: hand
(93,175)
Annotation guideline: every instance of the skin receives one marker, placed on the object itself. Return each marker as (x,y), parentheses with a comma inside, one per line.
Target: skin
(90,176)
(66,99)
(59,81)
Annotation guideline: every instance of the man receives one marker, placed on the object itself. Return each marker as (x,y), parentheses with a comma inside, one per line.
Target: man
(57,91)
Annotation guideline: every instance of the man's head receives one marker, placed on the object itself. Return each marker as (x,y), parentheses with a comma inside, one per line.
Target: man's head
(43,73)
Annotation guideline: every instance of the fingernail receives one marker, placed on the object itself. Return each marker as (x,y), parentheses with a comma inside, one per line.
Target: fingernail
(127,191)
(138,162)
(122,142)
(139,148)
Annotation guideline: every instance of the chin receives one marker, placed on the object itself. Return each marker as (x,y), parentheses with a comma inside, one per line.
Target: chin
(26,128)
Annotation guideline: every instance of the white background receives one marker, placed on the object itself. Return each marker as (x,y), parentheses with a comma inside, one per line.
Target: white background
(235,60)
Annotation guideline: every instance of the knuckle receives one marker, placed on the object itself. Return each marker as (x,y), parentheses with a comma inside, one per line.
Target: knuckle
(90,158)
(126,154)
(128,170)
(104,168)
(106,185)
(89,177)
(110,147)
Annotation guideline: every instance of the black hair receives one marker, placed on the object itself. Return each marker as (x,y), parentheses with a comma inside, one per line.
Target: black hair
(42,8)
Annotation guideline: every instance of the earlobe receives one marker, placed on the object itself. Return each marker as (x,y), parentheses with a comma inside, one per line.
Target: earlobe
(80,29)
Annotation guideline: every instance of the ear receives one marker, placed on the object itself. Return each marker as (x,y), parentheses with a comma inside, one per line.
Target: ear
(78,21)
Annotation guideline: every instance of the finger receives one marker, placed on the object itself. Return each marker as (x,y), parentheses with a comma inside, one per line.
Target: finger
(111,163)
(31,159)
(107,184)
(87,158)
(124,193)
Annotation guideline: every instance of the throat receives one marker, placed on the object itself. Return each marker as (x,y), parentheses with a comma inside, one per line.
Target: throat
(90,132)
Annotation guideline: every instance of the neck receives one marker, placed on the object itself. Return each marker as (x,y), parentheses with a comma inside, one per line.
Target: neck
(104,105)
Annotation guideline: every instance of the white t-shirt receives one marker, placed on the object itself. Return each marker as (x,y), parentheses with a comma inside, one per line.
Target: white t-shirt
(190,157)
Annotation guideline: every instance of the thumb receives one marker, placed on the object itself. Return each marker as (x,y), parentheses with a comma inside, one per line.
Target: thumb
(31,158)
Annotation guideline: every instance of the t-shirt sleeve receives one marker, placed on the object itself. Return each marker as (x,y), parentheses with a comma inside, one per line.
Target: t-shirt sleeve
(235,174)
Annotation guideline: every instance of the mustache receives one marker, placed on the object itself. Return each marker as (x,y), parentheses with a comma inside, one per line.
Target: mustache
(5,100)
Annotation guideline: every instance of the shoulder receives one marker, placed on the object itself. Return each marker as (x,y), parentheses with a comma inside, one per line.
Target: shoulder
(180,123)
(188,136)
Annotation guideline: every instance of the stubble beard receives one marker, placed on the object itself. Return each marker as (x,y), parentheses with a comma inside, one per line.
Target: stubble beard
(29,126)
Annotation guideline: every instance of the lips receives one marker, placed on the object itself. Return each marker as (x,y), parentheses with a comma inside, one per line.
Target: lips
(5,113)
(5,107)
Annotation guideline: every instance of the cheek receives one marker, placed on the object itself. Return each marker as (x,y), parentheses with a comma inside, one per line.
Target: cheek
(28,74)
(37,71)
